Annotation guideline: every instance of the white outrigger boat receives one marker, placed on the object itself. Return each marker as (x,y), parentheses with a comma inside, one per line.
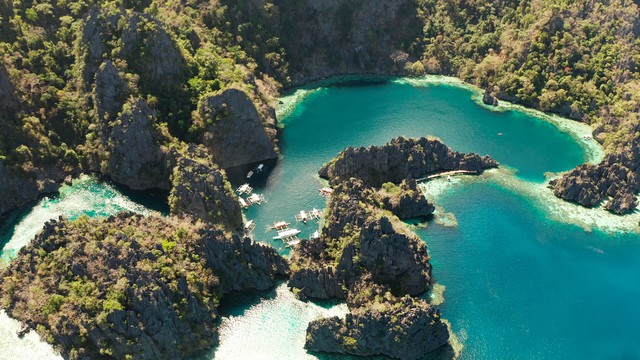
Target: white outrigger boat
(280,225)
(315,235)
(243,203)
(255,199)
(249,226)
(302,216)
(326,192)
(288,234)
(244,189)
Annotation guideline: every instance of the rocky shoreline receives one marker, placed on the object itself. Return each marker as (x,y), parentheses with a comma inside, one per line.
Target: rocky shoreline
(132,287)
(368,257)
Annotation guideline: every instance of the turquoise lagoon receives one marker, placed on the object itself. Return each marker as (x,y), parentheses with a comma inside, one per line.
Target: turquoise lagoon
(526,275)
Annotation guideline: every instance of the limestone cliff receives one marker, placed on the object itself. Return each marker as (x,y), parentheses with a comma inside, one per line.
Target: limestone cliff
(201,189)
(132,287)
(234,131)
(380,324)
(617,177)
(399,159)
(328,37)
(137,154)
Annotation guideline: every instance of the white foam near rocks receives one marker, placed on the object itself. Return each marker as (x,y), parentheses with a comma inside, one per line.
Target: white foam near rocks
(266,326)
(30,346)
(83,195)
(542,199)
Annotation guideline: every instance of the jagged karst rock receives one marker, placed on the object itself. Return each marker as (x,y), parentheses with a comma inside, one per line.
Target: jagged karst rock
(130,286)
(401,158)
(331,37)
(617,176)
(110,93)
(145,45)
(136,157)
(406,201)
(489,98)
(201,189)
(380,324)
(370,257)
(234,131)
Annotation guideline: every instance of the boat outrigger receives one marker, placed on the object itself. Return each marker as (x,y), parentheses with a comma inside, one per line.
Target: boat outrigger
(244,189)
(326,192)
(249,226)
(280,225)
(287,235)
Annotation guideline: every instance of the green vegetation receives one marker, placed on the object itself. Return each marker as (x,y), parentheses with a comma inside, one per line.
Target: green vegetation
(90,274)
(576,58)
(110,286)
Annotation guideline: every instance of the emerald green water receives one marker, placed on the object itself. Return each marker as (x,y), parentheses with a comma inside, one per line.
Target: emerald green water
(518,284)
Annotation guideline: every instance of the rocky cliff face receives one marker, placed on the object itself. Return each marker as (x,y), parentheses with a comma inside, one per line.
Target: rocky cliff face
(328,37)
(380,324)
(201,189)
(616,177)
(132,287)
(399,159)
(137,38)
(136,155)
(368,256)
(235,133)
(405,201)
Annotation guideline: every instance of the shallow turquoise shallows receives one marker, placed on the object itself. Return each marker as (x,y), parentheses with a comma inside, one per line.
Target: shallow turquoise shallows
(518,285)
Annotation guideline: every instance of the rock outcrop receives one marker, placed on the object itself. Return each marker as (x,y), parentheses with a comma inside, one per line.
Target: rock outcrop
(405,201)
(617,177)
(140,40)
(201,189)
(489,98)
(330,37)
(368,256)
(132,287)
(137,157)
(401,158)
(380,324)
(234,131)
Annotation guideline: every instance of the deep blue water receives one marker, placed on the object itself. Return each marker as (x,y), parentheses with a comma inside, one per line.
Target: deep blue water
(517,284)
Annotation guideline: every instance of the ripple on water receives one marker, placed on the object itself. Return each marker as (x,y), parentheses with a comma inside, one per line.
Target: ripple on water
(30,346)
(274,327)
(85,196)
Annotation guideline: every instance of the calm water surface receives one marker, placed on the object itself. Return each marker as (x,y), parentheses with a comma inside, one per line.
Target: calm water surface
(517,285)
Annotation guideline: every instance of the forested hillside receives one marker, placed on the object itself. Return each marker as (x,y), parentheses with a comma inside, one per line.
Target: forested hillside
(71,71)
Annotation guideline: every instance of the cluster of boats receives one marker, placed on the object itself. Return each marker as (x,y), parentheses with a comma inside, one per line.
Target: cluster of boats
(286,233)
(250,199)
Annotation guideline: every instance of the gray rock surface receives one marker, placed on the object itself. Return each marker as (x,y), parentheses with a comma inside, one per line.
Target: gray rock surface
(401,158)
(336,37)
(380,324)
(408,203)
(235,133)
(201,189)
(617,177)
(136,157)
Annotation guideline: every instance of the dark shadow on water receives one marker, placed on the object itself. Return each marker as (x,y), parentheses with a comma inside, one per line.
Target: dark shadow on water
(154,199)
(238,175)
(9,221)
(237,303)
